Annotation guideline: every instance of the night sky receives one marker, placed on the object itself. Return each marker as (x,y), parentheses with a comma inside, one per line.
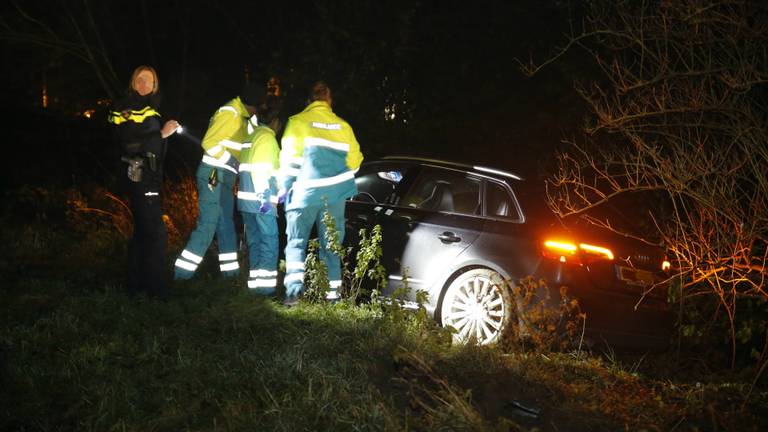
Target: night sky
(446,71)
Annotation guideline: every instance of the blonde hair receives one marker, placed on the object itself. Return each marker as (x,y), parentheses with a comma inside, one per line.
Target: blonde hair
(141,69)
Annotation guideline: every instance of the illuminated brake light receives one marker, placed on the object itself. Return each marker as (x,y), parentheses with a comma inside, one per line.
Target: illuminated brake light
(559,250)
(565,251)
(569,248)
(597,250)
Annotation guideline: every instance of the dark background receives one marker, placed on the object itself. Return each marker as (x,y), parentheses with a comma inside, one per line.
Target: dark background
(448,71)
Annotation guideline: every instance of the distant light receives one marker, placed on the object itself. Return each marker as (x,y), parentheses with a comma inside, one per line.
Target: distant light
(88,113)
(666,265)
(179,129)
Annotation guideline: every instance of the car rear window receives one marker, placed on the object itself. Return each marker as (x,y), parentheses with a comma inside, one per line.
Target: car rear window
(499,203)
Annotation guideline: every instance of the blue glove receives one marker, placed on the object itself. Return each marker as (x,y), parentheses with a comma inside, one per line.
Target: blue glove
(265,207)
(281,194)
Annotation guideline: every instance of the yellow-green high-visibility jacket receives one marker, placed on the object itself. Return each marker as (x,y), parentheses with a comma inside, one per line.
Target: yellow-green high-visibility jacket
(228,133)
(319,157)
(258,171)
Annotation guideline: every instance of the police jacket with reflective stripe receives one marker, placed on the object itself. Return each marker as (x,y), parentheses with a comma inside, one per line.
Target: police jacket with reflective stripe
(138,126)
(226,134)
(138,133)
(319,157)
(258,169)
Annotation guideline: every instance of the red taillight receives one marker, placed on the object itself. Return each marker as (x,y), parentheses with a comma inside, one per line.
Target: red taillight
(581,253)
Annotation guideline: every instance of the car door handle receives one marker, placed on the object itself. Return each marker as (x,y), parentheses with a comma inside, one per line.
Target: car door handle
(449,237)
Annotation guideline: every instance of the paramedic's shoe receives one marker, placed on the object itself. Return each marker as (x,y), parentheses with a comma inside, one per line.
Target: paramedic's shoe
(290,301)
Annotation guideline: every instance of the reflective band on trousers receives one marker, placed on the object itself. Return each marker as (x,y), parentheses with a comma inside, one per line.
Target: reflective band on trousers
(186,265)
(263,273)
(262,283)
(334,283)
(294,277)
(327,181)
(234,265)
(192,257)
(332,295)
(320,142)
(151,194)
(229,256)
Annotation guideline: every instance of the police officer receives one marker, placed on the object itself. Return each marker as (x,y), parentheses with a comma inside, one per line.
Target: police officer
(143,144)
(318,161)
(228,132)
(257,198)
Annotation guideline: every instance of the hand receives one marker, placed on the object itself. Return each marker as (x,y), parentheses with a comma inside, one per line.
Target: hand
(169,128)
(265,207)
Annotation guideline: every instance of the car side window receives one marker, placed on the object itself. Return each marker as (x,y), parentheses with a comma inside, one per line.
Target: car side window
(444,191)
(499,203)
(377,183)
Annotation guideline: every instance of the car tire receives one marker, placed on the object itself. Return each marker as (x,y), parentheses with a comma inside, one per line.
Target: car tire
(477,304)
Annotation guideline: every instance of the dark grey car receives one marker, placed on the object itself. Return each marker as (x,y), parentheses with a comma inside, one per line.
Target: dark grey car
(456,231)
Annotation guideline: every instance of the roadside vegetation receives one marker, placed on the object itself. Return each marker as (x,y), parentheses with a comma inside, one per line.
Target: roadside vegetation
(77,354)
(675,130)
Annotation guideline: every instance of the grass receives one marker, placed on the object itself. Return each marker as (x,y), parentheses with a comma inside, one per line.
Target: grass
(77,354)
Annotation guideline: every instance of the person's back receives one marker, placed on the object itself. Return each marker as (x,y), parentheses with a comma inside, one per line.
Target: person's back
(329,154)
(318,160)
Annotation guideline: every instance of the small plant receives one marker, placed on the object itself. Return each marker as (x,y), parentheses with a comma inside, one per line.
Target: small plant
(315,274)
(367,265)
(538,325)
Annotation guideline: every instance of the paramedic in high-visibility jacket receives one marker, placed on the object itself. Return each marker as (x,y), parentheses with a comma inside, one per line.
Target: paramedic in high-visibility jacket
(228,132)
(318,161)
(257,198)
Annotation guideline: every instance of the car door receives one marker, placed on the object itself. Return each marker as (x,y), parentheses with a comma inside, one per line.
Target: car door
(377,183)
(508,242)
(433,219)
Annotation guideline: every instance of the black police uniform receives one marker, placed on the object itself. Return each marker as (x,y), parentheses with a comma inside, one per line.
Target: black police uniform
(143,149)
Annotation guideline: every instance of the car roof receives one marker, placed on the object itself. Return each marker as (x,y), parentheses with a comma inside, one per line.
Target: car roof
(451,164)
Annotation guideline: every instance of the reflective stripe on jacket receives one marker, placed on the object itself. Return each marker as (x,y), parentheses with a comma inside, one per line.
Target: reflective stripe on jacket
(258,170)
(319,157)
(136,116)
(227,134)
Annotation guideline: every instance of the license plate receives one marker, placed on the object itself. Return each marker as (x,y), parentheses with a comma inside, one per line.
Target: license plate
(635,276)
